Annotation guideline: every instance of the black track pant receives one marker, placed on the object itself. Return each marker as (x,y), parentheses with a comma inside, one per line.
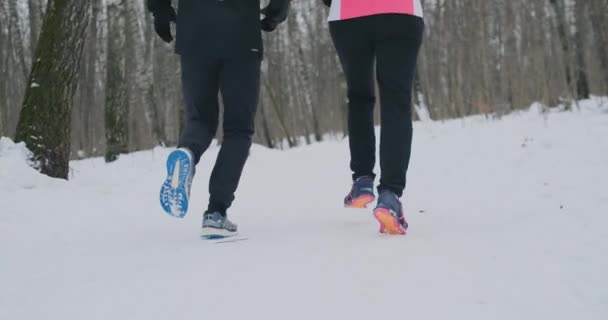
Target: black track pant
(238,79)
(391,42)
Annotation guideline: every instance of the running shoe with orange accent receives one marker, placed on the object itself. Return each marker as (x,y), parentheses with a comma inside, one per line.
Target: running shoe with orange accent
(389,213)
(361,194)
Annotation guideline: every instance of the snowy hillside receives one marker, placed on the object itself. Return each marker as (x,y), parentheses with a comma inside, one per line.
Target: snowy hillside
(508,220)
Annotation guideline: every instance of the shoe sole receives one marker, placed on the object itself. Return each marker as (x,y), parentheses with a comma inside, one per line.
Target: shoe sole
(215,233)
(388,223)
(361,202)
(173,193)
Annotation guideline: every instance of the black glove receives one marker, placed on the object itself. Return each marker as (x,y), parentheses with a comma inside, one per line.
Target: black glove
(327,2)
(163,14)
(274,15)
(268,25)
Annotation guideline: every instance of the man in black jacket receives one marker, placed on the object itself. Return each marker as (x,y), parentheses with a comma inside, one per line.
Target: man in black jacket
(220,45)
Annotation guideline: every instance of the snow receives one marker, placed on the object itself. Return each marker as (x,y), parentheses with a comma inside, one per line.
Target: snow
(17,176)
(508,221)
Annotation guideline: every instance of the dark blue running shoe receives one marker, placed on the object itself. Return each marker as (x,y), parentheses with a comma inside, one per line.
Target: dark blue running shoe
(389,212)
(175,191)
(361,194)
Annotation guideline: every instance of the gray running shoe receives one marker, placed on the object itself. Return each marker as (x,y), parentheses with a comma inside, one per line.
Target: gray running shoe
(217,226)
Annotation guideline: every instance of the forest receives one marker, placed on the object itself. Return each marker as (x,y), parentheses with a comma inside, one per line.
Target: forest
(479,57)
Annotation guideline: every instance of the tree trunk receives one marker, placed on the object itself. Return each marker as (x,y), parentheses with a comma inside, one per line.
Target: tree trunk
(117,101)
(265,127)
(44,122)
(560,14)
(17,34)
(35,19)
(598,12)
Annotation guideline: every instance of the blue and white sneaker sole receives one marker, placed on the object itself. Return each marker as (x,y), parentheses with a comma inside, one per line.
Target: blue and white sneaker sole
(215,233)
(174,193)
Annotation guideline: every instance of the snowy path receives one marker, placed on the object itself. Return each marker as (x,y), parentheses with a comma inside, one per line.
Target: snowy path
(508,221)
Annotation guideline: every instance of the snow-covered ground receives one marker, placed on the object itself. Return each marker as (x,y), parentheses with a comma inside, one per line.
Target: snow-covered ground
(509,220)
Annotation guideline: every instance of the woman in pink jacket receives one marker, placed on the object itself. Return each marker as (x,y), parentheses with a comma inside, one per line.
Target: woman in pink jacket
(386,34)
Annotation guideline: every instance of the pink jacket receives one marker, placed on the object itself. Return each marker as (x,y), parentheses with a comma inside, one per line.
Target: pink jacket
(347,9)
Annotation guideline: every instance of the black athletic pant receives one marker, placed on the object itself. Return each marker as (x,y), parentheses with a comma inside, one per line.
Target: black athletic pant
(392,42)
(238,79)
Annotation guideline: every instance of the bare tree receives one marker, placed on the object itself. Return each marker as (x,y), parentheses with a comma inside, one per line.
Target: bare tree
(44,123)
(117,101)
